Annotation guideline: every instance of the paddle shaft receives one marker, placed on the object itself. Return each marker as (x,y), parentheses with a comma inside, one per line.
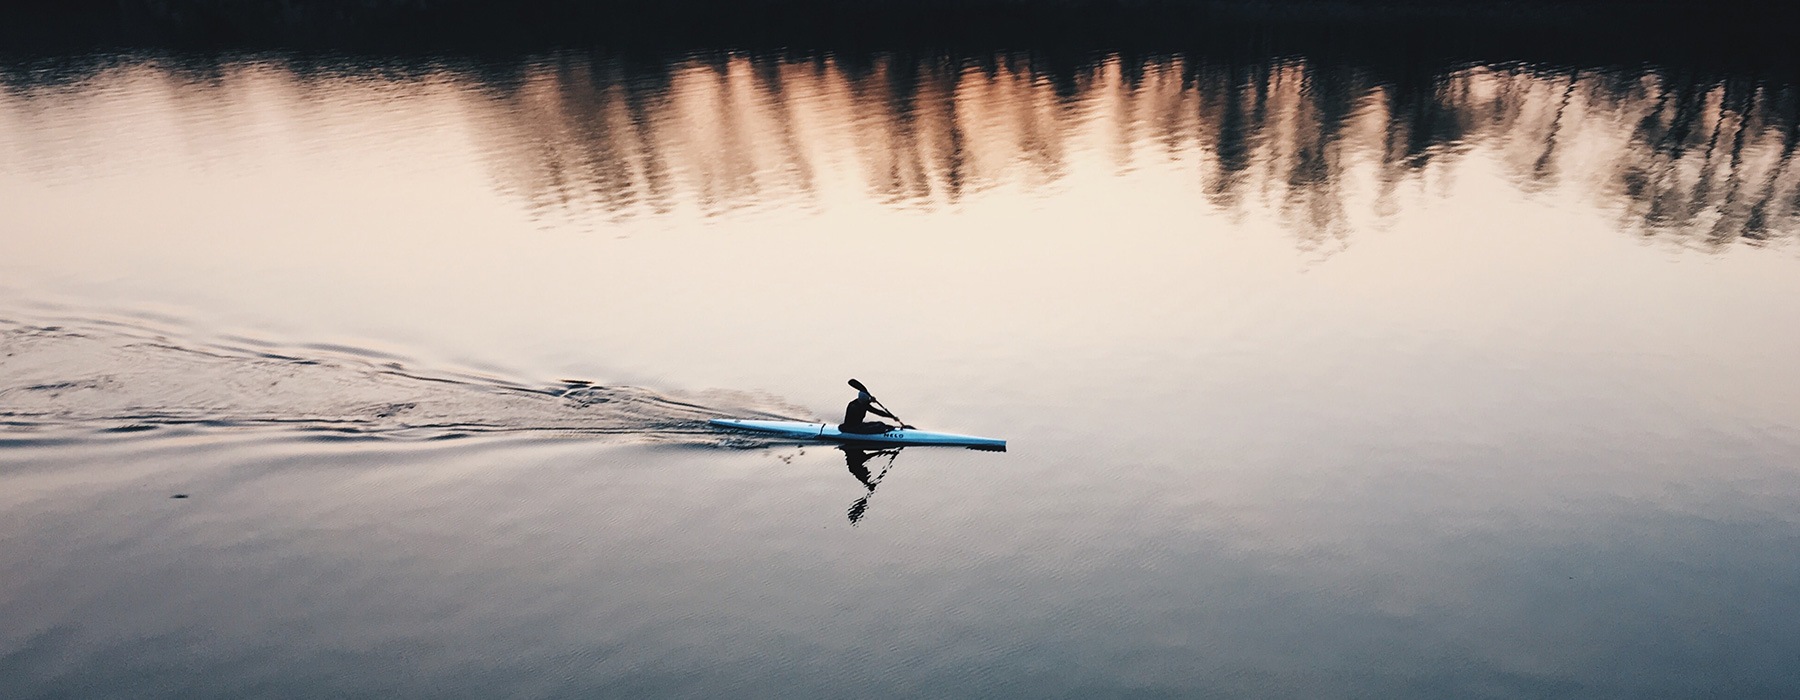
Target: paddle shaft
(885,408)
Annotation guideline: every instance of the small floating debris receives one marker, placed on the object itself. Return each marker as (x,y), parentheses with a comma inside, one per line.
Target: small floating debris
(179,495)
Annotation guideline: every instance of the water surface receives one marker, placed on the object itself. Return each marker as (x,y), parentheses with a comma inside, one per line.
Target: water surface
(1321,377)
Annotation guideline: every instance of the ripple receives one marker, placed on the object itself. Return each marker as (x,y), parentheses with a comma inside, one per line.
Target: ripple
(113,377)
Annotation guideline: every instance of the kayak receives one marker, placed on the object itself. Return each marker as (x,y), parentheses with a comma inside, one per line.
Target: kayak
(800,430)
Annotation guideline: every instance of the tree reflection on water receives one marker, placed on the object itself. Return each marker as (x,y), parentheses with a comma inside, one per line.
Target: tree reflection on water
(1699,158)
(1702,160)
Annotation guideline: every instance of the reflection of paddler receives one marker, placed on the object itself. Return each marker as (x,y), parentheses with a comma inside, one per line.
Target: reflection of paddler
(857,459)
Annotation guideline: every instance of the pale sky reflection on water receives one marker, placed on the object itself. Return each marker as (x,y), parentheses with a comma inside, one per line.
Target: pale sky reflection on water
(995,186)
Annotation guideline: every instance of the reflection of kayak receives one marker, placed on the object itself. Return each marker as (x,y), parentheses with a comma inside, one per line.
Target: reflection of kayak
(827,431)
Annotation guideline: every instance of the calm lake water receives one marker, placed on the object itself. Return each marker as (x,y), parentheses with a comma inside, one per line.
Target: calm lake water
(1320,379)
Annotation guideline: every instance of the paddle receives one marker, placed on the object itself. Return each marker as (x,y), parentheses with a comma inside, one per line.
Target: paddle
(859,387)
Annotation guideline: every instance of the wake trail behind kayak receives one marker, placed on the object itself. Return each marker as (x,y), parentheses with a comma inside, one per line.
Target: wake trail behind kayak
(111,376)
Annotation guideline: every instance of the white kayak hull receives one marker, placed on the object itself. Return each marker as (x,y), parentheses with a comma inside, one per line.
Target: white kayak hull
(800,430)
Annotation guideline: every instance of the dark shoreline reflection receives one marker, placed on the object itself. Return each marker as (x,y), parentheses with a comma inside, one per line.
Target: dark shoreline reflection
(1700,159)
(1618,31)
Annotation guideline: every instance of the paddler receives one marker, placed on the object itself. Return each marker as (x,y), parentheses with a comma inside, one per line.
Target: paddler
(858,410)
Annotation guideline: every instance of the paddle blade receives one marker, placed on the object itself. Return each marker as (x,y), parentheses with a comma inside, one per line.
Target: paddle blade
(858,386)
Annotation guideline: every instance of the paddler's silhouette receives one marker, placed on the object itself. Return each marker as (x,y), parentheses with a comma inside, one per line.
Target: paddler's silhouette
(858,410)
